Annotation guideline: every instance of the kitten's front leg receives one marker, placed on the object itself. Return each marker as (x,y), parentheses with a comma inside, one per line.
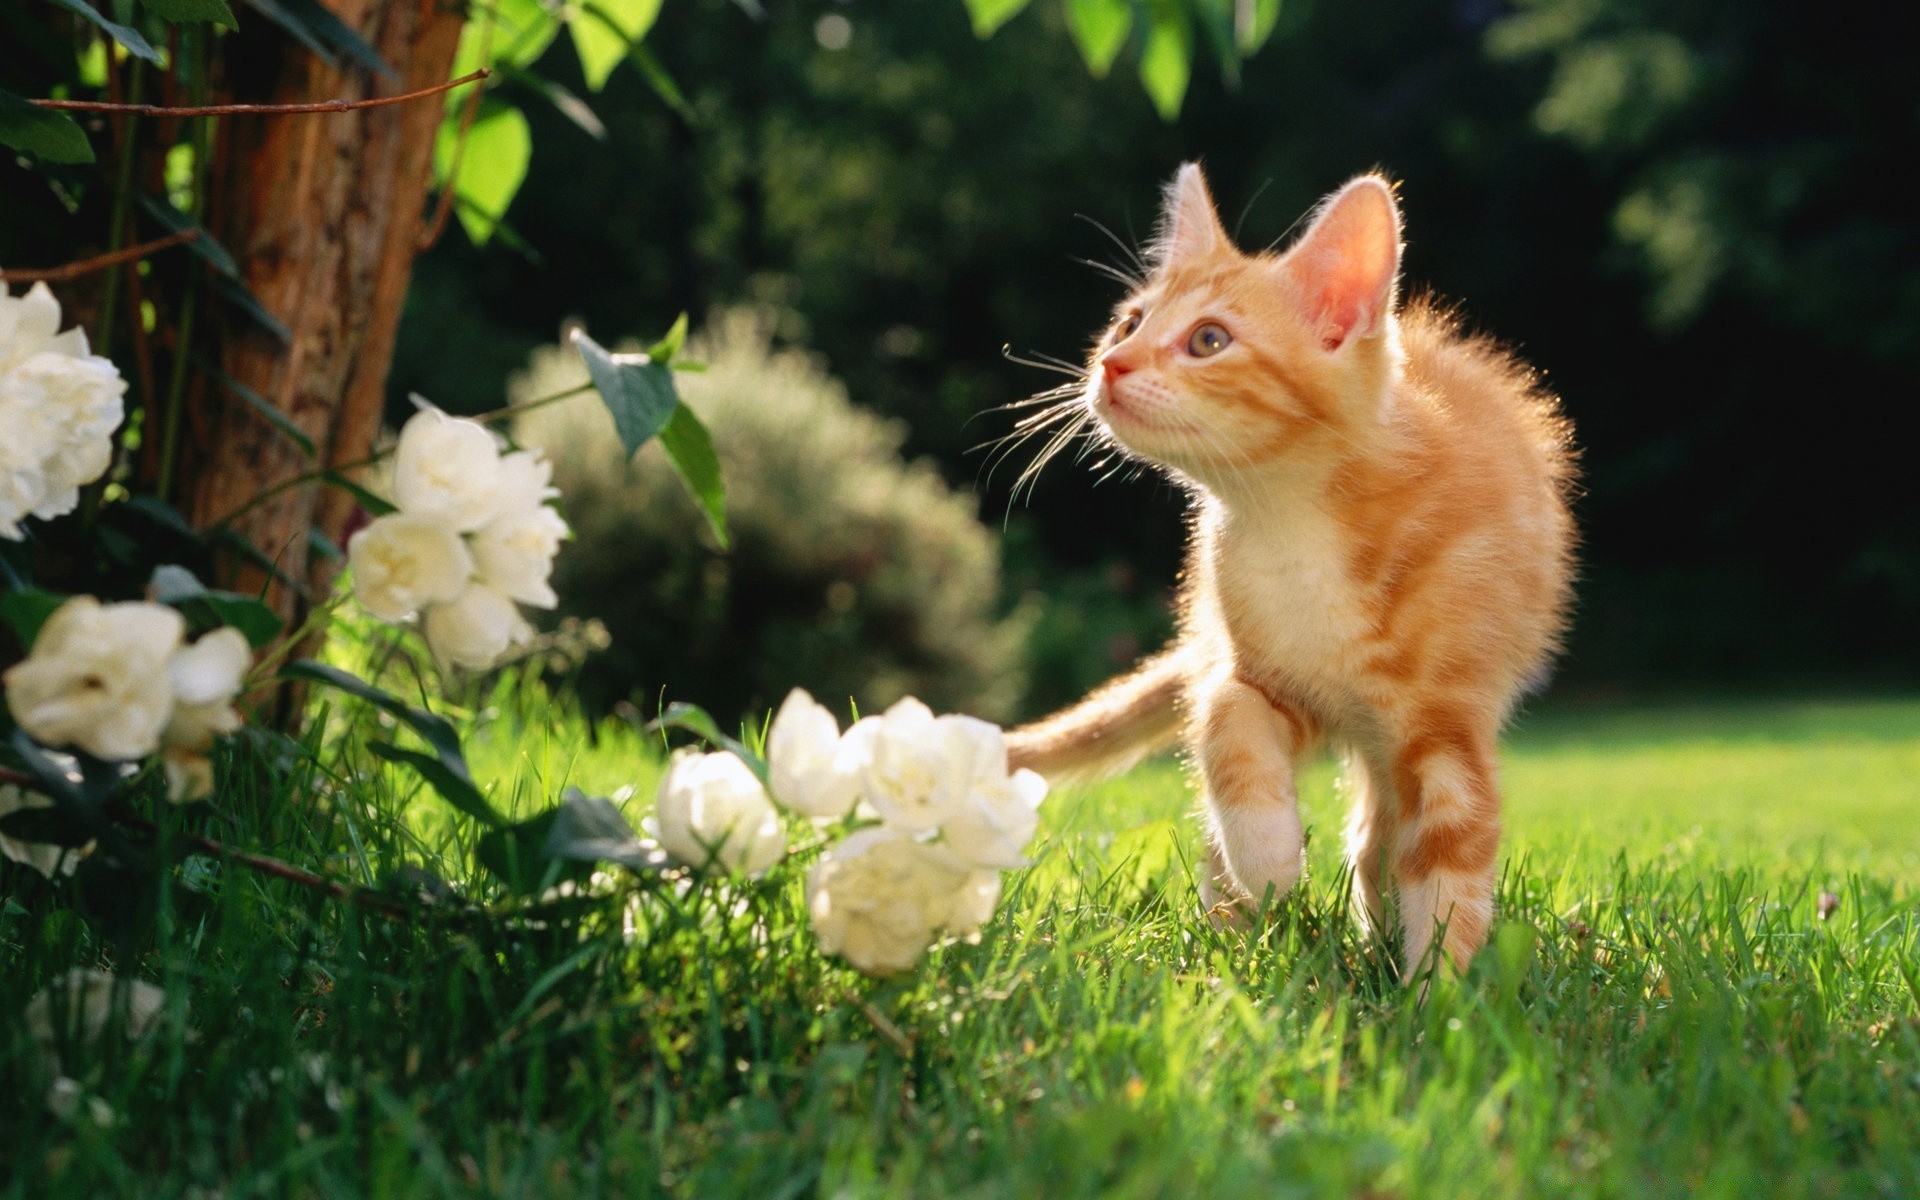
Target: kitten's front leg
(1245,748)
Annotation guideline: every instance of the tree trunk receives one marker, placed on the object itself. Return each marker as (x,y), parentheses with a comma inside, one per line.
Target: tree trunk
(324,216)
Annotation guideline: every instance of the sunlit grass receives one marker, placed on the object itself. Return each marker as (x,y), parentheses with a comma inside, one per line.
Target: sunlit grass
(1662,1010)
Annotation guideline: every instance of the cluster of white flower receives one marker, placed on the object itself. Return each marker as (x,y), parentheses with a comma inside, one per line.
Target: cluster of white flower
(473,535)
(80,1010)
(120,681)
(59,406)
(948,816)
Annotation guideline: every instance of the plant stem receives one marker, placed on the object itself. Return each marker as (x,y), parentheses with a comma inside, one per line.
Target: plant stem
(320,474)
(122,204)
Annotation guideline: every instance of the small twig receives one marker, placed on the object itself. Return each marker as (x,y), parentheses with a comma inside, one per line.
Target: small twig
(390,905)
(226,110)
(885,1027)
(98,262)
(17,779)
(443,207)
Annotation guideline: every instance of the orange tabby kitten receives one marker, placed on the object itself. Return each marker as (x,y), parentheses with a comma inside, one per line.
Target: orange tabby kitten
(1381,555)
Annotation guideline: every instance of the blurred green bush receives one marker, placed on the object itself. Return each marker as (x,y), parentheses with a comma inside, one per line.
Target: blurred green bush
(853,573)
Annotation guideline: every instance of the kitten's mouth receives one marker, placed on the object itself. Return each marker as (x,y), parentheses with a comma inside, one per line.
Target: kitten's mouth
(1110,408)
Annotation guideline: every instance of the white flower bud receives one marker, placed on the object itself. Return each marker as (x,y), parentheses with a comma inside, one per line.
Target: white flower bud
(474,629)
(403,562)
(97,679)
(206,676)
(712,806)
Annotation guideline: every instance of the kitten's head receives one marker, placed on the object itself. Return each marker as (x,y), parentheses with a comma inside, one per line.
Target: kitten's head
(1223,360)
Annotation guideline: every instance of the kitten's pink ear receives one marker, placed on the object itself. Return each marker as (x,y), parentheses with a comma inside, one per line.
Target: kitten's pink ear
(1189,227)
(1349,259)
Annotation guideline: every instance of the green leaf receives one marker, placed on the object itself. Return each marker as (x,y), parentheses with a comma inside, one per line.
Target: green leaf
(564,102)
(126,35)
(1099,29)
(690,448)
(313,26)
(214,12)
(638,391)
(989,15)
(696,720)
(46,827)
(664,350)
(233,293)
(513,854)
(1166,61)
(164,515)
(590,829)
(324,546)
(662,83)
(80,784)
(51,135)
(25,610)
(492,166)
(453,783)
(449,776)
(1254,33)
(566,842)
(269,412)
(604,31)
(207,609)
(522,31)
(203,246)
(379,506)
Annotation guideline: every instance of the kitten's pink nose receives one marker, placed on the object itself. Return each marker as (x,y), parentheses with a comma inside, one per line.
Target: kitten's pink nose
(1113,367)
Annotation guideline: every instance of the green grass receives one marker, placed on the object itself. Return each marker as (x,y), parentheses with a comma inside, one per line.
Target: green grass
(1661,1011)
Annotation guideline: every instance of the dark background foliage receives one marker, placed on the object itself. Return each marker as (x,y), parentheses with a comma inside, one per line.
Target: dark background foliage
(1679,211)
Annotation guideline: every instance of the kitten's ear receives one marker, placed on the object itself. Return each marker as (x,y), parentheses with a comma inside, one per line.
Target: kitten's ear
(1349,260)
(1189,227)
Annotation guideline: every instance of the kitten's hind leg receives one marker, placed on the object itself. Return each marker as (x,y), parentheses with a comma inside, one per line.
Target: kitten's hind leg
(1245,747)
(1446,847)
(1369,839)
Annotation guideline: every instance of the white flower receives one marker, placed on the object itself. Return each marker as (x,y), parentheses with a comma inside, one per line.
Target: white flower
(206,676)
(974,903)
(448,466)
(921,771)
(97,678)
(63,1101)
(475,628)
(80,1008)
(403,562)
(813,770)
(514,553)
(525,481)
(41,856)
(59,406)
(711,806)
(879,898)
(996,819)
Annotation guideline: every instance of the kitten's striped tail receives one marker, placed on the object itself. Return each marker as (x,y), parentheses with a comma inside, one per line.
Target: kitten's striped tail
(1117,725)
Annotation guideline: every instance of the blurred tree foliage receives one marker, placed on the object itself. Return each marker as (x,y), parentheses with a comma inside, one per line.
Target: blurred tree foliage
(1677,209)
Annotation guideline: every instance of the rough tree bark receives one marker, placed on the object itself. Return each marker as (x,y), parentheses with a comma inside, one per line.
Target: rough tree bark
(324,215)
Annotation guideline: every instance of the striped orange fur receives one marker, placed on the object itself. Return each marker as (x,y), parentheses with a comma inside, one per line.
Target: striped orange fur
(1381,555)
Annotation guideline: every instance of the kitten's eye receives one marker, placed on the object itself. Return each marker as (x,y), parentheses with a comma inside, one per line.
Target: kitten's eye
(1208,340)
(1127,326)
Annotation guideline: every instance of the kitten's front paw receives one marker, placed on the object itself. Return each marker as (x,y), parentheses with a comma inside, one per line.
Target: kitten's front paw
(1263,851)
